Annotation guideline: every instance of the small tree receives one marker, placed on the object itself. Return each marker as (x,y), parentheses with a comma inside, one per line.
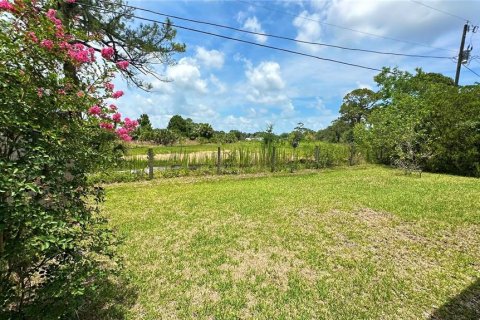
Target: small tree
(268,137)
(144,130)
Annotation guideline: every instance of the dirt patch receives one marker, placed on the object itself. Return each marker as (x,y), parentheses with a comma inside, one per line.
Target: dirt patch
(274,264)
(201,295)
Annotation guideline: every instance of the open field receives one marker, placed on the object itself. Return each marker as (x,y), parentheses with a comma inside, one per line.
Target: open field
(234,158)
(135,149)
(141,149)
(355,243)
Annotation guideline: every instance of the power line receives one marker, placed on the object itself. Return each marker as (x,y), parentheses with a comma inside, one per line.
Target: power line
(239,40)
(346,28)
(442,11)
(478,75)
(285,38)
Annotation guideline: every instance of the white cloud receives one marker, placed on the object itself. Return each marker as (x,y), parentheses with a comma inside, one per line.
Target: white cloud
(203,113)
(221,87)
(266,77)
(404,20)
(210,58)
(265,86)
(252,24)
(186,74)
(308,30)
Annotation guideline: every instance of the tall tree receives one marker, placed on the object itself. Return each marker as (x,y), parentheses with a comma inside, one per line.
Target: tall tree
(357,105)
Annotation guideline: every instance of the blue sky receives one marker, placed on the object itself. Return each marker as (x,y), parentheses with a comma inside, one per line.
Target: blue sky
(238,86)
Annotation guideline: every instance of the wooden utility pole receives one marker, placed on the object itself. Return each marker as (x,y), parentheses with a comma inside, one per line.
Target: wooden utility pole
(460,53)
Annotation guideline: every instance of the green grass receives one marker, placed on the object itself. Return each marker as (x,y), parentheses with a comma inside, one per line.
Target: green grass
(362,243)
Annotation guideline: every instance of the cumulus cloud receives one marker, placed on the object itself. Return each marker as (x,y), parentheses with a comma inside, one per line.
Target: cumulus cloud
(265,86)
(210,58)
(266,76)
(186,74)
(265,83)
(252,24)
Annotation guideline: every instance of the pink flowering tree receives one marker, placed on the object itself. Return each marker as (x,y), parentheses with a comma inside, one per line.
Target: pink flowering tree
(57,125)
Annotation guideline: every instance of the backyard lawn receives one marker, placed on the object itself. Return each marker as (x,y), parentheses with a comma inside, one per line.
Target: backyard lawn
(348,243)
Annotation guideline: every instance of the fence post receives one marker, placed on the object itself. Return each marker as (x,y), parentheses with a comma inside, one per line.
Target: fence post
(317,156)
(273,159)
(351,158)
(150,163)
(219,158)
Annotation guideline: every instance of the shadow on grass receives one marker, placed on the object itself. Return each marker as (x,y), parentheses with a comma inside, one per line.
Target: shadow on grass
(114,298)
(465,305)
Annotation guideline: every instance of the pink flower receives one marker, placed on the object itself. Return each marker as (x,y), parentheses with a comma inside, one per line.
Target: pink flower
(123,65)
(109,86)
(94,110)
(106,125)
(47,44)
(59,33)
(70,1)
(80,94)
(125,137)
(51,13)
(113,107)
(130,124)
(40,92)
(64,45)
(31,35)
(7,6)
(61,91)
(116,117)
(121,131)
(81,54)
(117,94)
(107,52)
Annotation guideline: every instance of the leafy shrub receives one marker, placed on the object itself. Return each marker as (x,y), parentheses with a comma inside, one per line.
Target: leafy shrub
(55,128)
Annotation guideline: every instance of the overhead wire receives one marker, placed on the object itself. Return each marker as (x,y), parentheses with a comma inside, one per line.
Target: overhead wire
(478,75)
(345,28)
(240,40)
(442,11)
(283,37)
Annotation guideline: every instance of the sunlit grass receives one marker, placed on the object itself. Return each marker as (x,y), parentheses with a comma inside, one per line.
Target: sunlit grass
(363,243)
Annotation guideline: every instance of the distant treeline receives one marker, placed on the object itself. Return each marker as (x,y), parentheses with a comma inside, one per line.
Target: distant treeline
(180,129)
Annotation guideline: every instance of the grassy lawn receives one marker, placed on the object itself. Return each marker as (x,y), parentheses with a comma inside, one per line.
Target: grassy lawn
(361,243)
